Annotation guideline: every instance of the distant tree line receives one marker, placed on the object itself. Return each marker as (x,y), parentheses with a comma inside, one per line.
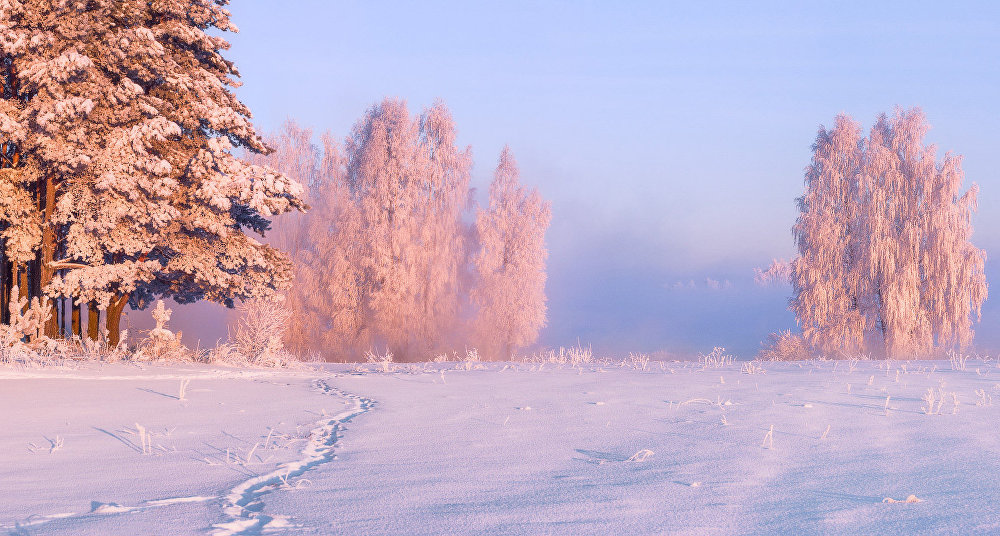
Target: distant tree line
(395,254)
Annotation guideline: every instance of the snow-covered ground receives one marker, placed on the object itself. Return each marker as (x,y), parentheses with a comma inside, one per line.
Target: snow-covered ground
(502,449)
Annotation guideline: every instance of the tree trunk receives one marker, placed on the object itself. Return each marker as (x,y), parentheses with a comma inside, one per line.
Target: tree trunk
(60,305)
(22,280)
(45,271)
(6,282)
(75,320)
(114,317)
(93,321)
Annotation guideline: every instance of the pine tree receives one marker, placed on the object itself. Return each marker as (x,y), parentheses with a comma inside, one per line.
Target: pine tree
(119,125)
(510,291)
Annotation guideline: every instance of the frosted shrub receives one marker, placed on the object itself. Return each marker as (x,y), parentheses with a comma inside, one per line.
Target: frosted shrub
(957,360)
(574,356)
(471,359)
(23,341)
(259,333)
(27,319)
(87,349)
(935,401)
(579,355)
(717,358)
(384,360)
(784,346)
(752,367)
(224,353)
(638,361)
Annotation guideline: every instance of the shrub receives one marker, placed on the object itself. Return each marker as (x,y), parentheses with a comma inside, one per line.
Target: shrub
(717,358)
(259,334)
(784,346)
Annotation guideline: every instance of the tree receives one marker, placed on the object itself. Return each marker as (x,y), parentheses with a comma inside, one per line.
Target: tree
(826,275)
(297,157)
(339,279)
(324,300)
(410,187)
(384,255)
(119,124)
(383,172)
(443,199)
(510,264)
(885,259)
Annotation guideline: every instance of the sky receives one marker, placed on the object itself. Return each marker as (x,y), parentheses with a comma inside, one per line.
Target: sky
(670,137)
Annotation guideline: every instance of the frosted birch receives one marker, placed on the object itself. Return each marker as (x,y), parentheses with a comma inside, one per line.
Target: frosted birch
(510,264)
(886,263)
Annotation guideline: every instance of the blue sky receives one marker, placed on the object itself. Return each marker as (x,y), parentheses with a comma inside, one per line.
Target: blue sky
(669,136)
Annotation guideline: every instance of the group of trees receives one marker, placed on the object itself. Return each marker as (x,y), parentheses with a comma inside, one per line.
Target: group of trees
(390,254)
(118,179)
(885,262)
(129,172)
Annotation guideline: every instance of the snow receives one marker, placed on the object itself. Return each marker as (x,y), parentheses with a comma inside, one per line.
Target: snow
(505,448)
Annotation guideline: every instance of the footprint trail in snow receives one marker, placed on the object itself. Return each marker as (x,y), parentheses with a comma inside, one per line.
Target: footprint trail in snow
(243,505)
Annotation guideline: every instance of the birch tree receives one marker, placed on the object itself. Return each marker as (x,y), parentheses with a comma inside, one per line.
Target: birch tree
(295,155)
(885,258)
(340,282)
(384,256)
(825,277)
(384,174)
(510,264)
(409,182)
(324,299)
(444,198)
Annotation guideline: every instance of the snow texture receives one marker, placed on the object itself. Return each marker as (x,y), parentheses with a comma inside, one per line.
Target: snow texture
(817,447)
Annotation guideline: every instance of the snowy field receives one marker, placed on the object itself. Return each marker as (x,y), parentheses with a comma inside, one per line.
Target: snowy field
(678,448)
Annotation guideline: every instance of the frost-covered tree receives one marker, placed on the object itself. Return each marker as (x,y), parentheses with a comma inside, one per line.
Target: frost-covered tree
(295,155)
(119,124)
(510,264)
(826,275)
(384,172)
(336,266)
(324,299)
(885,259)
(410,186)
(383,256)
(444,249)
